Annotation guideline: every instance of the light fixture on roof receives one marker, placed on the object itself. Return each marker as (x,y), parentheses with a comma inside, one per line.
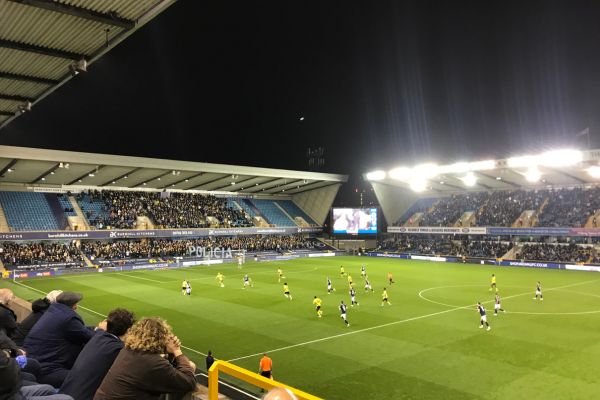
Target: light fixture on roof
(144,184)
(114,182)
(233,183)
(10,170)
(67,165)
(91,174)
(400,174)
(418,185)
(594,171)
(158,179)
(469,179)
(533,174)
(43,179)
(78,66)
(23,108)
(125,177)
(51,172)
(374,176)
(498,178)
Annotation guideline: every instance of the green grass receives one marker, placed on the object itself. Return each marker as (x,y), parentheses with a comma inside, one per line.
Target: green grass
(414,349)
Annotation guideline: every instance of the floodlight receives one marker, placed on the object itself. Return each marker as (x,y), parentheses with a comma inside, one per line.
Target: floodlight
(373,176)
(482,165)
(418,185)
(78,66)
(469,179)
(594,171)
(533,174)
(457,168)
(522,161)
(400,174)
(23,108)
(426,171)
(561,158)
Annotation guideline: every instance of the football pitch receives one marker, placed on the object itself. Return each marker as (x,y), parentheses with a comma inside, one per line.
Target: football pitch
(426,345)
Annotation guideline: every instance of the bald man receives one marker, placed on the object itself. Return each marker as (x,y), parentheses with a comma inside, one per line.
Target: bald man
(279,393)
(8,319)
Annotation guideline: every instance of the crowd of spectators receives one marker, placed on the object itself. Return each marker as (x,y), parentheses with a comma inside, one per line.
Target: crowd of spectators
(120,209)
(565,208)
(556,252)
(448,210)
(118,359)
(570,207)
(503,208)
(15,254)
(444,245)
(149,248)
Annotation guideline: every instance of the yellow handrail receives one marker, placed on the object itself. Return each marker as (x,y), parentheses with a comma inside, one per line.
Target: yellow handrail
(249,377)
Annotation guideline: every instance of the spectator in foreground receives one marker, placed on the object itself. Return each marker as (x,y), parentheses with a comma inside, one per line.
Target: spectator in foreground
(279,393)
(142,369)
(209,360)
(97,356)
(11,386)
(8,319)
(57,338)
(38,308)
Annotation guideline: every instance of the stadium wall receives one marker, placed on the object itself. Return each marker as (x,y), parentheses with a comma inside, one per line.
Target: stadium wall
(394,201)
(316,203)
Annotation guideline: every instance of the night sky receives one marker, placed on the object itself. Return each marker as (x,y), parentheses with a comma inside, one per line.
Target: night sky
(379,84)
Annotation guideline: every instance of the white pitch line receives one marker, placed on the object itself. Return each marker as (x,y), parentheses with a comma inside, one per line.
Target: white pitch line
(138,277)
(392,323)
(97,313)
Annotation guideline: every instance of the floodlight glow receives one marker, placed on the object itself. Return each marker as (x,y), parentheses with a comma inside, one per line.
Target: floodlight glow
(469,179)
(560,158)
(533,174)
(400,174)
(457,168)
(426,171)
(482,165)
(594,171)
(522,161)
(375,175)
(418,185)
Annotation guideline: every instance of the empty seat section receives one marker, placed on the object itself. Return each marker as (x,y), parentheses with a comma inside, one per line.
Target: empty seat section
(272,213)
(95,210)
(294,211)
(66,205)
(28,211)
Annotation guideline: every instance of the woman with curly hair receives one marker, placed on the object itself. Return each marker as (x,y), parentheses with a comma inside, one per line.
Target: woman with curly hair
(142,370)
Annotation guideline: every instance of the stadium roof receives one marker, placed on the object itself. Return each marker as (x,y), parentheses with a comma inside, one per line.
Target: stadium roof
(44,42)
(553,168)
(53,168)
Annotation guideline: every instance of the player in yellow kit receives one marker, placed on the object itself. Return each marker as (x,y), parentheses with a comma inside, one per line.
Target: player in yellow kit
(493,284)
(342,271)
(350,283)
(384,298)
(220,277)
(286,291)
(317,302)
(280,273)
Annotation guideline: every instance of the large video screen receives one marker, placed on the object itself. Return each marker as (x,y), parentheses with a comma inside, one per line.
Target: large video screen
(354,221)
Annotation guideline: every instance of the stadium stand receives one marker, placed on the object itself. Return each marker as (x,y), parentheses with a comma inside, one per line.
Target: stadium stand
(64,202)
(32,254)
(563,207)
(31,211)
(294,211)
(272,213)
(449,246)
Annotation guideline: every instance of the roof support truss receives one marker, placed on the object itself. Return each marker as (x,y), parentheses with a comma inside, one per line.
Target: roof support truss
(108,18)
